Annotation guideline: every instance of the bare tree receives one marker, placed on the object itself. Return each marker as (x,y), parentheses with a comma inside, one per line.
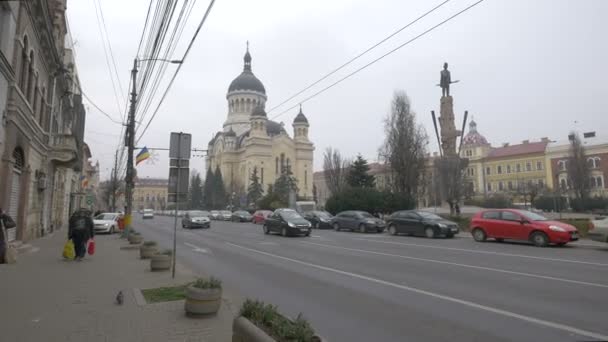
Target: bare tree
(335,170)
(404,147)
(578,169)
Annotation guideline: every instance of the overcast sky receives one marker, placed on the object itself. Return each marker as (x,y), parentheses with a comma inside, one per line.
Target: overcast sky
(527,69)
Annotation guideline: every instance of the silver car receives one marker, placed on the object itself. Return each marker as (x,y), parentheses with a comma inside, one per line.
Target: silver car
(225,215)
(106,223)
(598,229)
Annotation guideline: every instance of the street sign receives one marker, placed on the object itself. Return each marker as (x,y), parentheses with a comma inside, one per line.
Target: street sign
(180,145)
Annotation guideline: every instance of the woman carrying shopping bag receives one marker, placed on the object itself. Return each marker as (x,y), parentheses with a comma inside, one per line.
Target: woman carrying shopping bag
(7,253)
(81,229)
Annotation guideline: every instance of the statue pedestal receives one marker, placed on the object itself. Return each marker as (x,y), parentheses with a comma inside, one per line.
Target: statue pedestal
(448,126)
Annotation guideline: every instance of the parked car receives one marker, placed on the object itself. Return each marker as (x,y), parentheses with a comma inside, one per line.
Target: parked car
(319,219)
(241,216)
(360,221)
(106,223)
(598,229)
(260,216)
(225,215)
(421,223)
(196,219)
(287,222)
(523,225)
(148,214)
(214,215)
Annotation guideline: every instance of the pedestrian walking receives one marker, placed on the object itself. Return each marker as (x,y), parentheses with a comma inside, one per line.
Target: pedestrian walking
(5,222)
(81,229)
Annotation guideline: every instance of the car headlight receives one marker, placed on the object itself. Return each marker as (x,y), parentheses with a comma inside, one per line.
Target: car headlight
(441,225)
(309,225)
(291,225)
(557,229)
(370,221)
(106,224)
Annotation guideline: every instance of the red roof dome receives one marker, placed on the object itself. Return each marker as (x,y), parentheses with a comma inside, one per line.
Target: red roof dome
(473,138)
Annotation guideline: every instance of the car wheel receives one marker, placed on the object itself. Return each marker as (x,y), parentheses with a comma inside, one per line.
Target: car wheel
(317,225)
(266,231)
(284,231)
(539,239)
(336,227)
(449,235)
(429,232)
(479,235)
(308,234)
(111,230)
(361,228)
(392,229)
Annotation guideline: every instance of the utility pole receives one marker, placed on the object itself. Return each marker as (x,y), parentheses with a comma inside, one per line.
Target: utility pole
(114,181)
(130,147)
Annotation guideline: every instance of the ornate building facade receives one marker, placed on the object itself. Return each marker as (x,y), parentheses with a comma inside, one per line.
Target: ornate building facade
(250,140)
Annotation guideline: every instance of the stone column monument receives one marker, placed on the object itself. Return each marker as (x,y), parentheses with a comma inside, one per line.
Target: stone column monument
(446,120)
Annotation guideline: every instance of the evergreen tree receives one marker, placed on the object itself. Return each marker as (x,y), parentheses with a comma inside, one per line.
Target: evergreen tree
(208,196)
(255,190)
(195,194)
(219,190)
(358,176)
(285,184)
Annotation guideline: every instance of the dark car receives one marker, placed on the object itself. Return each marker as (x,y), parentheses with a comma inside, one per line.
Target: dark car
(360,221)
(287,222)
(196,219)
(241,216)
(319,219)
(422,223)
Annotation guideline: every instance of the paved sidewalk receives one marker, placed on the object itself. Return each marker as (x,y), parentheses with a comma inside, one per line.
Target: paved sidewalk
(45,298)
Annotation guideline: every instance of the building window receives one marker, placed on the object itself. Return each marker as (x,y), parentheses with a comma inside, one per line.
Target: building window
(262,175)
(528,167)
(508,168)
(488,170)
(563,184)
(562,165)
(518,168)
(30,78)
(599,182)
(305,179)
(593,162)
(489,186)
(500,186)
(276,168)
(510,185)
(282,162)
(539,165)
(499,169)
(541,184)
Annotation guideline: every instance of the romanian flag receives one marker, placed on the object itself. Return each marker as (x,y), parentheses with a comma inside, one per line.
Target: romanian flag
(84,181)
(142,155)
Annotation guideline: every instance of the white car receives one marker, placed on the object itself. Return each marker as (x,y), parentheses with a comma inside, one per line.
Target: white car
(598,229)
(148,214)
(106,223)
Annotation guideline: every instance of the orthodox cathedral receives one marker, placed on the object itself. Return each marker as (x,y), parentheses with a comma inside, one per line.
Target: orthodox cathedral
(250,140)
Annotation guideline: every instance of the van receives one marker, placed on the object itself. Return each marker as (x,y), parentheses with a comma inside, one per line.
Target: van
(148,214)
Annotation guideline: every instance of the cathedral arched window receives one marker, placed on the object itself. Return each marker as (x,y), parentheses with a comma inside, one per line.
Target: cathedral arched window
(288,164)
(282,162)
(276,168)
(248,107)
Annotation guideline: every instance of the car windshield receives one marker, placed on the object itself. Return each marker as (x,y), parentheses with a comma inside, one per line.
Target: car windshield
(198,213)
(531,216)
(429,216)
(322,214)
(106,217)
(290,214)
(365,214)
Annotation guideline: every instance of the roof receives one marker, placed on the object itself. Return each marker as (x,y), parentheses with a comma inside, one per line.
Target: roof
(258,111)
(141,182)
(272,128)
(474,138)
(247,80)
(300,118)
(514,150)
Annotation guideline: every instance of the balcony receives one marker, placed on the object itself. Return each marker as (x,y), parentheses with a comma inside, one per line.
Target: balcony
(64,150)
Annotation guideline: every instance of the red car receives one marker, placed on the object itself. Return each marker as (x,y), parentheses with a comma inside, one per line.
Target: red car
(522,225)
(260,216)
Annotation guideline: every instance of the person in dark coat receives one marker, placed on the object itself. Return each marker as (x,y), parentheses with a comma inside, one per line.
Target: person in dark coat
(81,229)
(5,222)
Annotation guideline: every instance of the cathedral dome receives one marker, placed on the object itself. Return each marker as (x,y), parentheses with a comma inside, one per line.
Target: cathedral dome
(474,138)
(247,80)
(300,118)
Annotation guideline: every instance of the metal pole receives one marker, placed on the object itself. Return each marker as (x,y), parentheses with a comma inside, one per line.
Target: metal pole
(130,145)
(114,181)
(176,205)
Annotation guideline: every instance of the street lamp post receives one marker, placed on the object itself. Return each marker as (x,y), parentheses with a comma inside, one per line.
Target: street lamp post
(130,142)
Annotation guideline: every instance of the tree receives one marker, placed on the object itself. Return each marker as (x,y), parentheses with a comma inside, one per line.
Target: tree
(271,200)
(255,190)
(404,146)
(335,169)
(219,190)
(208,195)
(285,184)
(358,174)
(195,193)
(579,172)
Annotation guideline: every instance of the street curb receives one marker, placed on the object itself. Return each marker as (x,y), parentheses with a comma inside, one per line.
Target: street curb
(139,297)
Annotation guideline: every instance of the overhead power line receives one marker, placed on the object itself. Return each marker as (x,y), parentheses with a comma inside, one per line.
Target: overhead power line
(359,55)
(378,59)
(99,109)
(183,59)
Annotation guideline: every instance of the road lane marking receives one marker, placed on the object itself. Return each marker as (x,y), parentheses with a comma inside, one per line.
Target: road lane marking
(511,314)
(198,249)
(486,252)
(499,270)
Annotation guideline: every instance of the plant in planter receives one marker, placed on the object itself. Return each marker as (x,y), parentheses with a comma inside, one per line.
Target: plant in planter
(204,296)
(148,249)
(263,322)
(161,261)
(135,238)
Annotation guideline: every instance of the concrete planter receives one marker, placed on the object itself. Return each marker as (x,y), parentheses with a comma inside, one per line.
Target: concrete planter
(135,239)
(160,262)
(146,252)
(243,330)
(202,301)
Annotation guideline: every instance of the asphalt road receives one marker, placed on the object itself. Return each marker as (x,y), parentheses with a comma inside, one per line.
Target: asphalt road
(377,287)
